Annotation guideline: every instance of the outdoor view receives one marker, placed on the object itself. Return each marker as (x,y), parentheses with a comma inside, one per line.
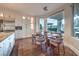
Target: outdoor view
(76,20)
(55,23)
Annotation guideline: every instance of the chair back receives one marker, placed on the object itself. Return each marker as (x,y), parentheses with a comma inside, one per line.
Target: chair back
(33,38)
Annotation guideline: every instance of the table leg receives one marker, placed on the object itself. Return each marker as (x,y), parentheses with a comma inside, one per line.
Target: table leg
(58,49)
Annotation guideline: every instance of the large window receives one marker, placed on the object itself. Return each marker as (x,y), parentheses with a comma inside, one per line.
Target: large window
(76,20)
(55,23)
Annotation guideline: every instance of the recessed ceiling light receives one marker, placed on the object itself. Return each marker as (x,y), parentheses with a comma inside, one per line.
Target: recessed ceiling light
(23,17)
(1,14)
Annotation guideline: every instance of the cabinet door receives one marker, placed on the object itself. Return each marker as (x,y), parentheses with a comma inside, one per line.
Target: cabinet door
(12,39)
(1,49)
(5,46)
(12,42)
(9,49)
(8,44)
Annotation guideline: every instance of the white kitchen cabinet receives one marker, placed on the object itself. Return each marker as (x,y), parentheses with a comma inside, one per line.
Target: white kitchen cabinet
(7,24)
(7,45)
(1,49)
(11,44)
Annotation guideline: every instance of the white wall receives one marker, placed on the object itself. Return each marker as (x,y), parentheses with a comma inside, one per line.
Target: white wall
(68,37)
(26,28)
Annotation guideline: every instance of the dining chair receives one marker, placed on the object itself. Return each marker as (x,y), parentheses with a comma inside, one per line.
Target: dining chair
(40,42)
(56,44)
(48,47)
(33,38)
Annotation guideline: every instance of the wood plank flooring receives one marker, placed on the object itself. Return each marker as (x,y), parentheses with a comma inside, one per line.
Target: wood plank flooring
(24,47)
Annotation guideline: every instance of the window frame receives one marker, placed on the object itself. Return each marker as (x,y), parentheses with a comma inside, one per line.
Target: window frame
(73,27)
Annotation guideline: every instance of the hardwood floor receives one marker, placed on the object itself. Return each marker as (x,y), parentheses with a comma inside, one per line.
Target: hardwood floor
(24,47)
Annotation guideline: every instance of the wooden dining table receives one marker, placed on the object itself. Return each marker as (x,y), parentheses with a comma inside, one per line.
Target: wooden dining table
(53,40)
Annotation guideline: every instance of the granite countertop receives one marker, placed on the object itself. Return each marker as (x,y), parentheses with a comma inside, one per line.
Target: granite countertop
(4,35)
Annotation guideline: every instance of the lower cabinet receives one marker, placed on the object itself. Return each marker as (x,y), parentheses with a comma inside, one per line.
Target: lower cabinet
(1,49)
(7,45)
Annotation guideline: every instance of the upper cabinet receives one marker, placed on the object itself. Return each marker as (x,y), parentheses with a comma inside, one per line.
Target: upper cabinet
(7,24)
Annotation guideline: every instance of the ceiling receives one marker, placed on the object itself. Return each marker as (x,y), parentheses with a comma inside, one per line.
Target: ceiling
(34,9)
(58,16)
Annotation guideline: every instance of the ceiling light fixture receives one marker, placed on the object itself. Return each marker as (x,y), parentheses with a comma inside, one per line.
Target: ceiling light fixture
(45,8)
(1,14)
(23,17)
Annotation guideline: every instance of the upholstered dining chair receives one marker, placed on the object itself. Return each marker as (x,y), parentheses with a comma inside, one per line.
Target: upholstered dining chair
(40,41)
(33,38)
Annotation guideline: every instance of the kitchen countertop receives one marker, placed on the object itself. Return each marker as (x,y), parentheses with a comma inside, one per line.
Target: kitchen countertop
(4,35)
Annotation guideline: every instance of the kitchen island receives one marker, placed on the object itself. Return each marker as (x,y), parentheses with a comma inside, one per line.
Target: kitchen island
(7,41)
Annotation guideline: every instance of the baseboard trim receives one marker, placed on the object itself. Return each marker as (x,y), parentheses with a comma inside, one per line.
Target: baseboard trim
(23,38)
(76,51)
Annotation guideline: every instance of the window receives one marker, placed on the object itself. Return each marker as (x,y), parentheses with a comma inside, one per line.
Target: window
(55,23)
(51,25)
(41,24)
(76,20)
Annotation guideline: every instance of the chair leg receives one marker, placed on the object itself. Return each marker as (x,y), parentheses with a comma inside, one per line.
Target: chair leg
(49,51)
(58,49)
(64,50)
(41,48)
